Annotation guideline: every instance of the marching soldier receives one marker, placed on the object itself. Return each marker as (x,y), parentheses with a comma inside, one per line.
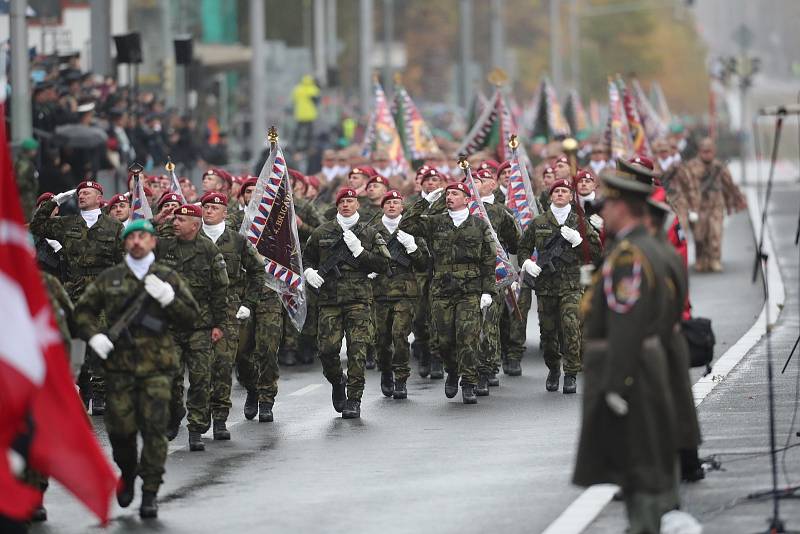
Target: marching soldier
(119,208)
(90,244)
(551,242)
(681,188)
(201,264)
(140,369)
(235,217)
(463,253)
(344,303)
(167,205)
(245,281)
(548,177)
(396,295)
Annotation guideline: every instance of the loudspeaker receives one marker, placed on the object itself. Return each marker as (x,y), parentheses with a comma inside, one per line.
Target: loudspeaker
(129,48)
(183,50)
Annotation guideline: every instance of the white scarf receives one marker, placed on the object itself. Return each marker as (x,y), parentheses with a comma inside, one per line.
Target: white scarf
(342,170)
(598,166)
(330,173)
(140,267)
(676,158)
(488,199)
(214,230)
(587,198)
(459,216)
(391,224)
(561,214)
(347,222)
(665,163)
(90,216)
(126,222)
(504,190)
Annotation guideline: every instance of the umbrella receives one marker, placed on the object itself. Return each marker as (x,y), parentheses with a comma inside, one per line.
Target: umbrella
(81,136)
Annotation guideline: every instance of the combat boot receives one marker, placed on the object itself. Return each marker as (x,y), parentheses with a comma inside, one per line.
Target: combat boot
(39,515)
(196,441)
(352,409)
(287,358)
(468,394)
(400,391)
(149,507)
(251,405)
(125,490)
(514,368)
(265,412)
(370,364)
(570,385)
(451,385)
(482,389)
(715,266)
(424,358)
(437,371)
(339,394)
(387,384)
(221,432)
(98,404)
(505,366)
(552,380)
(493,380)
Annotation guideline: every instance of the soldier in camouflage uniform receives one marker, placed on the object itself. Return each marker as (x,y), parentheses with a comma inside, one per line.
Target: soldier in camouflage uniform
(90,244)
(357,179)
(396,295)
(463,252)
(681,188)
(141,367)
(344,303)
(245,280)
(201,264)
(376,189)
(558,291)
(27,176)
(166,207)
(508,233)
(548,177)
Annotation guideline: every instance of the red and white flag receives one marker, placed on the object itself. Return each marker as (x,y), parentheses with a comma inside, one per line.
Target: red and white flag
(37,394)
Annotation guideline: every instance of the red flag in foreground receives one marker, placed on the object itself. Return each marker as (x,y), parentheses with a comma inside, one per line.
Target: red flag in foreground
(37,395)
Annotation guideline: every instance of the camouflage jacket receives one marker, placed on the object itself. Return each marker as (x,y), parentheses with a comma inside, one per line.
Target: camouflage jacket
(145,351)
(309,215)
(234,219)
(27,185)
(463,256)
(353,285)
(400,282)
(566,277)
(202,266)
(63,309)
(86,251)
(504,224)
(245,269)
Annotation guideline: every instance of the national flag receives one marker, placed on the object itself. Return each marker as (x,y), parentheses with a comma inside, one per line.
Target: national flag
(40,410)
(382,133)
(492,130)
(640,144)
(416,136)
(140,207)
(520,200)
(270,225)
(654,127)
(618,137)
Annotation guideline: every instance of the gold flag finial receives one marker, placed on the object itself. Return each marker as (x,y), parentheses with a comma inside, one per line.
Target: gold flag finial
(272,135)
(398,78)
(463,162)
(497,77)
(513,142)
(169,165)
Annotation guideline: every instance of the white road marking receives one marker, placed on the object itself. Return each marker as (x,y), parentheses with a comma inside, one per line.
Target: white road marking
(308,389)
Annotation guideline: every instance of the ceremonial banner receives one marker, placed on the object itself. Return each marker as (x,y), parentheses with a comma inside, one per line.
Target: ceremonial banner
(640,144)
(140,207)
(382,133)
(548,121)
(476,108)
(520,200)
(174,185)
(492,130)
(270,225)
(654,127)
(575,115)
(416,136)
(618,137)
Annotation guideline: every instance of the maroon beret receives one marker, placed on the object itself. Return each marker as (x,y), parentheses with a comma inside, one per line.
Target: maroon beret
(90,184)
(116,199)
(168,197)
(214,198)
(560,183)
(393,194)
(190,210)
(459,186)
(346,192)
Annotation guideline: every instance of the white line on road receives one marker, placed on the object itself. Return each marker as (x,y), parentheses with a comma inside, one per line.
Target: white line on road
(308,389)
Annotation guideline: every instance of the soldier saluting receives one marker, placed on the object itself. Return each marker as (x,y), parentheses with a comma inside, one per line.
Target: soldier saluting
(139,370)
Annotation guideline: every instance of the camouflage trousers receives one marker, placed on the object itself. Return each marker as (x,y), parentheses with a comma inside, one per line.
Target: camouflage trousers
(224,353)
(422,318)
(257,358)
(560,331)
(708,231)
(353,320)
(489,346)
(139,404)
(393,324)
(195,354)
(456,325)
(513,331)
(307,338)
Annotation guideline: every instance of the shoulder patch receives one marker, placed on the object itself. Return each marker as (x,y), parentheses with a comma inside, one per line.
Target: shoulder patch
(622,294)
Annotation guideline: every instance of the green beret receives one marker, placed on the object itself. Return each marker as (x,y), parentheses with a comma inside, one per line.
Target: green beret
(139,225)
(29,143)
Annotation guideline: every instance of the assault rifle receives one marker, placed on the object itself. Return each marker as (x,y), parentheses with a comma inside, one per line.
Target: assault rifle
(134,316)
(552,249)
(397,253)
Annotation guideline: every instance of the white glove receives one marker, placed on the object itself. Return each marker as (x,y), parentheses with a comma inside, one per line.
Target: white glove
(372,276)
(434,195)
(617,404)
(486,301)
(313,278)
(101,345)
(159,290)
(55,245)
(573,236)
(243,313)
(353,243)
(693,217)
(407,240)
(596,221)
(530,267)
(62,197)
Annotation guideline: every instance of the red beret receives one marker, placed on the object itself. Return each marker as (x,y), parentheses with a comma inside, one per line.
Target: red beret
(346,192)
(238,180)
(297,176)
(489,164)
(366,170)
(548,170)
(560,183)
(89,184)
(431,172)
(168,197)
(422,170)
(378,179)
(214,198)
(484,174)
(459,186)
(44,197)
(222,173)
(249,181)
(147,191)
(190,210)
(116,199)
(184,180)
(585,173)
(313,181)
(393,194)
(503,166)
(561,159)
(643,161)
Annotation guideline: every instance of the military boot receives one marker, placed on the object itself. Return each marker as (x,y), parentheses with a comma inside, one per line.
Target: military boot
(514,368)
(424,358)
(172,431)
(265,412)
(570,385)
(251,405)
(352,409)
(505,366)
(39,515)
(715,266)
(468,394)
(196,441)
(437,371)
(482,389)
(494,381)
(370,363)
(287,358)
(400,391)
(387,384)
(339,394)
(149,507)
(125,490)
(552,380)
(98,404)
(221,432)
(451,385)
